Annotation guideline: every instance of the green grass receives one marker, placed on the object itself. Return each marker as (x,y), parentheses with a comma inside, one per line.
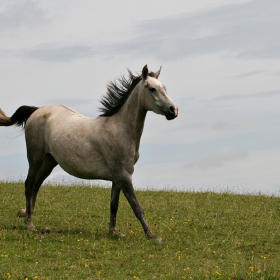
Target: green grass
(205,236)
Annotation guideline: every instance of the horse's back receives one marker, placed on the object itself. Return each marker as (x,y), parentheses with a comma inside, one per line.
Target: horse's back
(50,112)
(56,122)
(54,116)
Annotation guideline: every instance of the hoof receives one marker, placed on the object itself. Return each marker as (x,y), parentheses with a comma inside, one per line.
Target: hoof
(31,227)
(115,233)
(21,213)
(159,240)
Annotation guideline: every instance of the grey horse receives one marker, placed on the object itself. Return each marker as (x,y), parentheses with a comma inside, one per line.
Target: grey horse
(104,148)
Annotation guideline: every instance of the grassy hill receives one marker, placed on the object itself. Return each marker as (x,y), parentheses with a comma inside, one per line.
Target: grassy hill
(205,236)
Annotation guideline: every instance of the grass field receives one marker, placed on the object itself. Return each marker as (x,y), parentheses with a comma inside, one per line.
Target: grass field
(205,236)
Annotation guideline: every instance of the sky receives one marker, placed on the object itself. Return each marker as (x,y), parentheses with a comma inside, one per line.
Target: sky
(220,63)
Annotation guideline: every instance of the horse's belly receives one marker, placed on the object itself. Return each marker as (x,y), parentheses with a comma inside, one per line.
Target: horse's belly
(81,160)
(85,169)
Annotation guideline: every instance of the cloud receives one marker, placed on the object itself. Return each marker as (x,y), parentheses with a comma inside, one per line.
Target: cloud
(222,125)
(22,13)
(59,52)
(217,160)
(264,94)
(249,74)
(247,30)
(256,173)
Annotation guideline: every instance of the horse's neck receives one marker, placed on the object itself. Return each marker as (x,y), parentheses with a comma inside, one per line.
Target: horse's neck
(132,117)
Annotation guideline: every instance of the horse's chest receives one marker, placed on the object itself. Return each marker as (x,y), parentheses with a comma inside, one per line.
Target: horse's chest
(136,156)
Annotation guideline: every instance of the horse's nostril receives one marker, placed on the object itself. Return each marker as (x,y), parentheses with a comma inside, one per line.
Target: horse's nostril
(172,109)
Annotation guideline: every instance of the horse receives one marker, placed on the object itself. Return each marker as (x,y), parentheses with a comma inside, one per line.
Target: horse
(104,148)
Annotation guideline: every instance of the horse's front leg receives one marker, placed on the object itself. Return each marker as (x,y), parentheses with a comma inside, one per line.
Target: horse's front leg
(115,195)
(128,190)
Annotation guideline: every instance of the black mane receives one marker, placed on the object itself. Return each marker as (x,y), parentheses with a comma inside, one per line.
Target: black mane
(118,92)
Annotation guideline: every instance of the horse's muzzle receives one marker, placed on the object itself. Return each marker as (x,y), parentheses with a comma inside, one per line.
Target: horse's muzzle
(172,112)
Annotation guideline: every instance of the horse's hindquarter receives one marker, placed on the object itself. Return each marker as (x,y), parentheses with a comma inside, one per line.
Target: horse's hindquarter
(83,147)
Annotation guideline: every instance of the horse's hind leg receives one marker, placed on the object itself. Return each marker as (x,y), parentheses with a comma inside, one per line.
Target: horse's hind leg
(48,165)
(29,182)
(115,195)
(34,180)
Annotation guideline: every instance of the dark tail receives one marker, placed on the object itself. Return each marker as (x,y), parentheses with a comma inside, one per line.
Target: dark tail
(19,118)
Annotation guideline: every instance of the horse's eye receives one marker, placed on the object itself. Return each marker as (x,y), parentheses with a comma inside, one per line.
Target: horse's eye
(152,89)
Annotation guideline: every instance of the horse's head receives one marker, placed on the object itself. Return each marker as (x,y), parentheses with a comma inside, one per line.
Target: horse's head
(154,96)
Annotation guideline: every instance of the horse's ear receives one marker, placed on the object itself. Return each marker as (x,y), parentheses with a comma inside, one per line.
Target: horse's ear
(157,73)
(145,72)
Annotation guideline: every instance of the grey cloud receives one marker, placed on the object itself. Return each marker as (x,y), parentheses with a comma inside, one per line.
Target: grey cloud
(22,13)
(217,160)
(246,30)
(249,74)
(222,125)
(234,97)
(59,52)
